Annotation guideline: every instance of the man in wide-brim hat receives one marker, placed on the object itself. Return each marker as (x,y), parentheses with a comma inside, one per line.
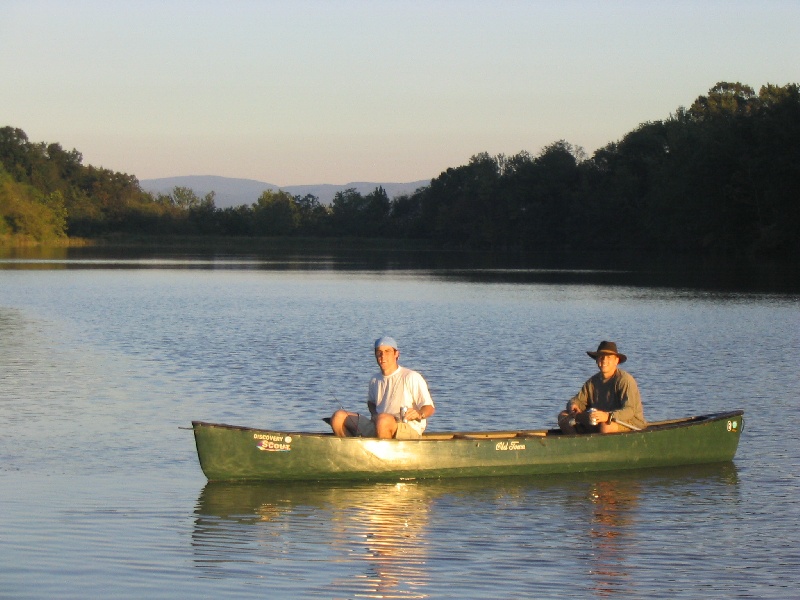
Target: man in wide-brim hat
(608,402)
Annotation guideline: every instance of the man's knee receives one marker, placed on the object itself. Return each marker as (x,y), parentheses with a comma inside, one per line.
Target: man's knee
(566,422)
(338,422)
(385,426)
(612,427)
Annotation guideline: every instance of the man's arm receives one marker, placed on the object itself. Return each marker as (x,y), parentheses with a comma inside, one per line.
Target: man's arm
(423,412)
(580,401)
(630,401)
(423,407)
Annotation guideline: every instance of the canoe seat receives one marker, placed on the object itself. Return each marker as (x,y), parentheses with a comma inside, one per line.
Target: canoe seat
(437,436)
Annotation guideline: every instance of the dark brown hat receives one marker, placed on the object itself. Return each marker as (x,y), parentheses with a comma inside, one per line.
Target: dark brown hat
(608,348)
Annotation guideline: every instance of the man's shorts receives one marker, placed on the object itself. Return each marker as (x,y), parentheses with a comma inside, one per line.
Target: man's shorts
(366,428)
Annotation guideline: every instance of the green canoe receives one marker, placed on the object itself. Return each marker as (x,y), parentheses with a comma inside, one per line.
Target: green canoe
(231,453)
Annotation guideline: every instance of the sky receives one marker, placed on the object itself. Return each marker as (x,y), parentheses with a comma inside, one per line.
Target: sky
(303,92)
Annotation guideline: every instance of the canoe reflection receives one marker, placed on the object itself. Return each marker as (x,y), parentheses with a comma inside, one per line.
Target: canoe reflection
(378,526)
(391,539)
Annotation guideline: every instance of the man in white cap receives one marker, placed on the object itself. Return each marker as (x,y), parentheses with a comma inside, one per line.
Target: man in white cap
(398,400)
(608,402)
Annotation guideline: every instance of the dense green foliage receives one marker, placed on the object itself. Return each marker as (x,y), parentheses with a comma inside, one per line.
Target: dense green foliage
(723,175)
(720,176)
(28,213)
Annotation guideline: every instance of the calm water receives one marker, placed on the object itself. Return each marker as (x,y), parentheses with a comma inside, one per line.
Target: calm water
(104,362)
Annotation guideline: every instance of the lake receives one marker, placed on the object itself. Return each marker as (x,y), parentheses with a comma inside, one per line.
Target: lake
(107,356)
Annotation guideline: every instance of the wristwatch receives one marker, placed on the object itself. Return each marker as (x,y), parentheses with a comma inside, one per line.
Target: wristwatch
(610,417)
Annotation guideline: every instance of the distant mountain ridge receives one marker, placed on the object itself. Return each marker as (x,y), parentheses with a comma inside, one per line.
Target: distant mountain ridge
(235,192)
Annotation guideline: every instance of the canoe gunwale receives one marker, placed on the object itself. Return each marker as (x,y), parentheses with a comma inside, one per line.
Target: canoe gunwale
(500,434)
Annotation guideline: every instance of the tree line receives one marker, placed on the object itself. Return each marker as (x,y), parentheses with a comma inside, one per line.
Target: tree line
(721,176)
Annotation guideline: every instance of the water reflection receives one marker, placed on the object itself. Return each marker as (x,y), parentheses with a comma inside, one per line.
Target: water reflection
(612,511)
(385,540)
(392,527)
(612,516)
(380,528)
(687,272)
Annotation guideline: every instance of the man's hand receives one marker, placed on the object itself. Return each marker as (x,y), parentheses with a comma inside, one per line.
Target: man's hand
(415,415)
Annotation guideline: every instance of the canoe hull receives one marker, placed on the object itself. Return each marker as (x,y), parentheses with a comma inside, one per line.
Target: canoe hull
(231,453)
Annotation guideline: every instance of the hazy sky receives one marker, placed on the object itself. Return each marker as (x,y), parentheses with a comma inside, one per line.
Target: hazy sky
(306,92)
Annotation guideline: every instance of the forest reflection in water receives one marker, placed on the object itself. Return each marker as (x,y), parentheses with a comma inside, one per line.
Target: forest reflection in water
(390,539)
(670,270)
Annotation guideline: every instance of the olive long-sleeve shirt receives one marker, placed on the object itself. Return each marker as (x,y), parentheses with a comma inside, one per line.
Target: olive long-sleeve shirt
(619,395)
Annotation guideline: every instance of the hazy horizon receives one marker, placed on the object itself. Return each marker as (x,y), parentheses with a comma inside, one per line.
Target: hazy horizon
(230,191)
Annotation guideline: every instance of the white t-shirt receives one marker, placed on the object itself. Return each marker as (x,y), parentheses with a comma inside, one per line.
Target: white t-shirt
(402,388)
